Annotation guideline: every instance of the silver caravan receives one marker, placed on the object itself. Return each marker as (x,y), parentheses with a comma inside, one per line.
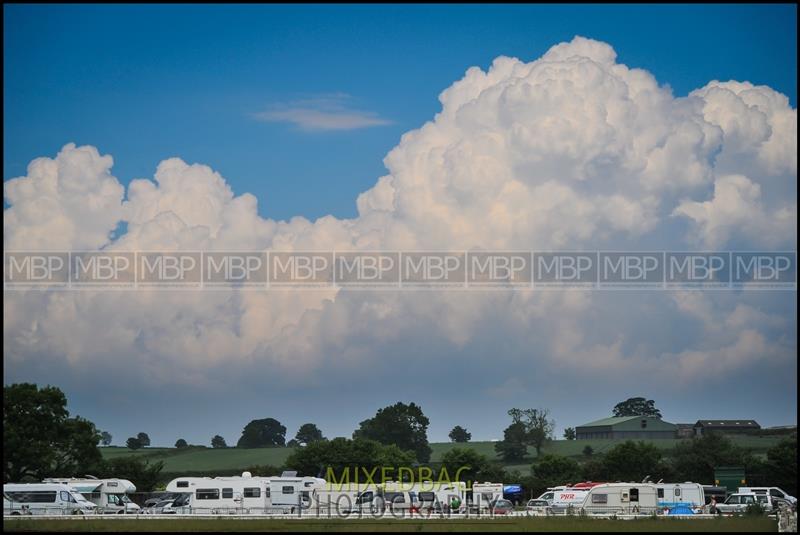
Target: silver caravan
(110,495)
(243,494)
(621,498)
(44,499)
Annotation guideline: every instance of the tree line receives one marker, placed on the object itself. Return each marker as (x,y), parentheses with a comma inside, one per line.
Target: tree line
(42,440)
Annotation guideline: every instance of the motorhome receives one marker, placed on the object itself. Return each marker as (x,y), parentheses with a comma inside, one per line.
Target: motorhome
(621,498)
(680,495)
(775,492)
(110,495)
(483,496)
(44,499)
(243,494)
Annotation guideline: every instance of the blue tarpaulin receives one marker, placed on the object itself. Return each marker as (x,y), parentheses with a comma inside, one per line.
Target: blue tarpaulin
(512,489)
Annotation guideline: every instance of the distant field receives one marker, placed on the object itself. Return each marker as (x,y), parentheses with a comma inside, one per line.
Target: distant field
(235,459)
(742,524)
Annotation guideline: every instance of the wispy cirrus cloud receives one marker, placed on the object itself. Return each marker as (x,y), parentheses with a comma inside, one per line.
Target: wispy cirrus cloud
(320,113)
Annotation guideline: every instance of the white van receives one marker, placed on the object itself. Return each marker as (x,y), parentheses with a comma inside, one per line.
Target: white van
(110,495)
(621,498)
(44,499)
(567,499)
(775,492)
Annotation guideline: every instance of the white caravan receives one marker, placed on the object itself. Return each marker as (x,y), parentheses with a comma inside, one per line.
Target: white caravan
(110,495)
(775,492)
(44,499)
(621,498)
(675,494)
(242,494)
(485,495)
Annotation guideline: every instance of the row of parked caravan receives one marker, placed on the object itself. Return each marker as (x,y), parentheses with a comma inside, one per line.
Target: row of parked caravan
(289,493)
(659,498)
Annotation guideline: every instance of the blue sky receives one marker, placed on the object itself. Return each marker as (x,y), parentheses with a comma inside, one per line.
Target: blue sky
(144,83)
(300,105)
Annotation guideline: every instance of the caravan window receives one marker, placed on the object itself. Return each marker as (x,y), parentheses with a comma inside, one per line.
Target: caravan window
(677,491)
(252,492)
(207,494)
(660,493)
(34,496)
(182,484)
(599,498)
(427,497)
(634,495)
(287,489)
(66,496)
(227,493)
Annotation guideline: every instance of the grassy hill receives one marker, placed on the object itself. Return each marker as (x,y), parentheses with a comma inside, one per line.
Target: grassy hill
(232,460)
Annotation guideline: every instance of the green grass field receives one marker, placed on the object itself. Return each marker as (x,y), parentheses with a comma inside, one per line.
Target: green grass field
(744,524)
(193,460)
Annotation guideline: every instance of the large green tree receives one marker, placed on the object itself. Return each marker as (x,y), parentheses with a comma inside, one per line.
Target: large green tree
(551,470)
(105,438)
(459,434)
(538,425)
(514,445)
(403,425)
(695,459)
(218,441)
(781,465)
(344,456)
(636,407)
(633,461)
(308,433)
(464,463)
(144,439)
(40,439)
(267,432)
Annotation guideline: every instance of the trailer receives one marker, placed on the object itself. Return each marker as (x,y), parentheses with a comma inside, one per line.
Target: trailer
(110,495)
(621,498)
(685,496)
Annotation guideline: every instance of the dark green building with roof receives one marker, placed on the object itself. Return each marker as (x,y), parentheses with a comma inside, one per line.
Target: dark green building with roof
(627,427)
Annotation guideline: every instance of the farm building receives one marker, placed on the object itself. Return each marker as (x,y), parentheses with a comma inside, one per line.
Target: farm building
(725,426)
(625,427)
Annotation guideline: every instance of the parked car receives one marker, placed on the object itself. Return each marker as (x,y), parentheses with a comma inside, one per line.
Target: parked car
(775,492)
(739,503)
(502,507)
(163,507)
(538,507)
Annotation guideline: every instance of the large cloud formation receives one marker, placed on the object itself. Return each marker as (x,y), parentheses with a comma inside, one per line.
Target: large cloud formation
(571,151)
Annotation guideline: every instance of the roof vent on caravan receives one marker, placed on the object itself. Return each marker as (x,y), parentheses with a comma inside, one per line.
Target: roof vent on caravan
(289,473)
(247,474)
